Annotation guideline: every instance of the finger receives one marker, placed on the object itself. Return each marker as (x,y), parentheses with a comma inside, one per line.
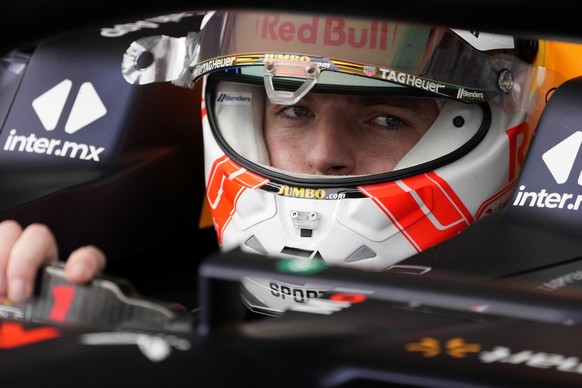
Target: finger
(35,247)
(10,230)
(84,264)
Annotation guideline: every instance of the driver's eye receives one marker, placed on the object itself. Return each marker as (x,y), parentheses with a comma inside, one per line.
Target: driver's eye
(296,111)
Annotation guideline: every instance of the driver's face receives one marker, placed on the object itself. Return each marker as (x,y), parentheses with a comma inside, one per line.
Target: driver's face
(334,134)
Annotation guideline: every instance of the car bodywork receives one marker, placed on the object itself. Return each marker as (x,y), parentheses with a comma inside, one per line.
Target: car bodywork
(501,307)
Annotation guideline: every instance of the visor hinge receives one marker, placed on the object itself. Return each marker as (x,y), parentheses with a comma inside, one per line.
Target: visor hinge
(293,70)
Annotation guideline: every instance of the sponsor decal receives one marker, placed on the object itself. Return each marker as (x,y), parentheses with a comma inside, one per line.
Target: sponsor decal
(321,63)
(370,71)
(560,161)
(44,145)
(313,193)
(287,57)
(87,108)
(431,347)
(543,199)
(312,299)
(459,348)
(305,192)
(329,31)
(372,40)
(562,281)
(472,95)
(151,23)
(234,98)
(560,158)
(411,80)
(297,294)
(213,64)
(533,359)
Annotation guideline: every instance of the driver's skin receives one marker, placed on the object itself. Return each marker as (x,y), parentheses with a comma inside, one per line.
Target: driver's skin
(326,134)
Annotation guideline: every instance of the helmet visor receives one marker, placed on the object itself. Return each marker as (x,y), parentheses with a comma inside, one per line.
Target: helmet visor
(353,132)
(297,46)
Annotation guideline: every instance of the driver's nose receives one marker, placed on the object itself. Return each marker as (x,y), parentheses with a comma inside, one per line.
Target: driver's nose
(331,149)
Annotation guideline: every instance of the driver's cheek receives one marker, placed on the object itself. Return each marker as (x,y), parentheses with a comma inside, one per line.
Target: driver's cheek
(287,154)
(378,154)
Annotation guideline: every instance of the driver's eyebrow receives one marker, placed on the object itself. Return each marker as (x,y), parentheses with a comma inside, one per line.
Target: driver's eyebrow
(415,104)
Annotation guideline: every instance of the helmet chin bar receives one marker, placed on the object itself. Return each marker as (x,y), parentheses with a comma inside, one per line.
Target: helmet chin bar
(293,69)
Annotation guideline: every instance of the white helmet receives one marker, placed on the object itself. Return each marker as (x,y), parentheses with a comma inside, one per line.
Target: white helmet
(479,97)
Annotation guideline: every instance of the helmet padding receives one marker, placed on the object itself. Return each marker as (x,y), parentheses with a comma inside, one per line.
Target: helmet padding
(444,137)
(241,127)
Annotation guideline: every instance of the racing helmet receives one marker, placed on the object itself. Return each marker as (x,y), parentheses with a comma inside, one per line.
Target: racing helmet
(443,116)
(483,88)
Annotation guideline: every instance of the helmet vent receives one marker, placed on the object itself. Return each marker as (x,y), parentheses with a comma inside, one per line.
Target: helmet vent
(296,252)
(362,253)
(254,243)
(458,121)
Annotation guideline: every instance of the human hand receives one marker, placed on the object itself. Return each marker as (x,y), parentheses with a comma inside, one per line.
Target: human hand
(24,250)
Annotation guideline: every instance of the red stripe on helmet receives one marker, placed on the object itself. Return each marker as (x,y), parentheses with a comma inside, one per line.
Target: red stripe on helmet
(226,182)
(424,208)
